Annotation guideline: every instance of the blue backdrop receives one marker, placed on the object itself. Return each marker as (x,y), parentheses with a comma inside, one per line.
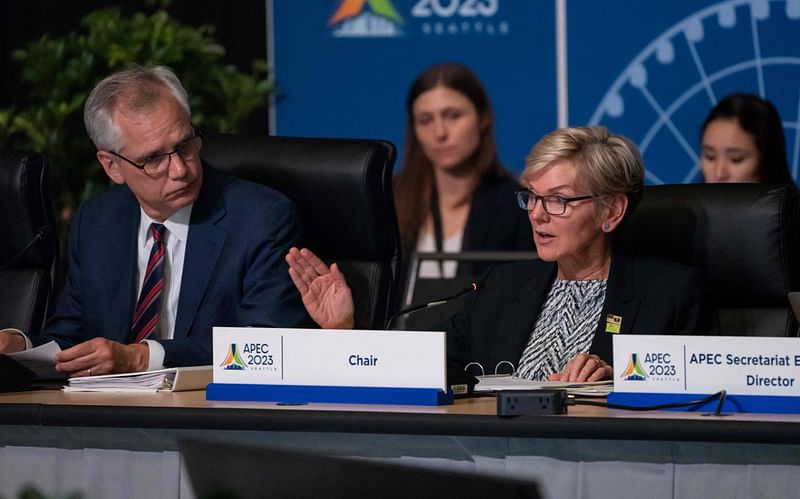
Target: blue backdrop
(648,70)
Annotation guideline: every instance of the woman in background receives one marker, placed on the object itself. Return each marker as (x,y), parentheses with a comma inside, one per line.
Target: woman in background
(743,141)
(452,194)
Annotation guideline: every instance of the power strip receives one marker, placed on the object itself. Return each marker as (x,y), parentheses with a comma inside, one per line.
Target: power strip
(531,402)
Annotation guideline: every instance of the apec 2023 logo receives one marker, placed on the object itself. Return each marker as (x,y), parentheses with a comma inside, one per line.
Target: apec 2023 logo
(654,366)
(253,356)
(380,18)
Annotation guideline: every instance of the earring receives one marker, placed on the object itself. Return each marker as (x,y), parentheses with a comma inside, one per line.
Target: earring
(606,227)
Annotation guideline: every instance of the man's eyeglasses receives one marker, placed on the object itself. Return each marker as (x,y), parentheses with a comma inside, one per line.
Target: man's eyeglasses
(157,164)
(553,205)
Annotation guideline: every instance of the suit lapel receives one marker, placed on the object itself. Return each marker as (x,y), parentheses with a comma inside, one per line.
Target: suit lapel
(480,215)
(120,284)
(516,323)
(203,249)
(620,302)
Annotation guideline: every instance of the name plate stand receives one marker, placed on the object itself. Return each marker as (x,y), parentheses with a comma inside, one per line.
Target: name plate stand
(759,374)
(329,366)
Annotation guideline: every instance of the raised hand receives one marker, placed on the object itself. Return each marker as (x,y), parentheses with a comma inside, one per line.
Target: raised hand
(324,290)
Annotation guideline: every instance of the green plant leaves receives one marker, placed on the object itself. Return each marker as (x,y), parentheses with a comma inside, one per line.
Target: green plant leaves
(60,72)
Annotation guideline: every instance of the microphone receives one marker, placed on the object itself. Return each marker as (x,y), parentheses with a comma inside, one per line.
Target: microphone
(43,231)
(474,286)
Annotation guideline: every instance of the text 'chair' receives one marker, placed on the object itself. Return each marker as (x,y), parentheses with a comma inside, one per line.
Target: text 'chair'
(29,250)
(743,237)
(343,191)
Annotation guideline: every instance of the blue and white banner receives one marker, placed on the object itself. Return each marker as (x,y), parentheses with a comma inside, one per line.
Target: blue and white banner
(648,70)
(343,68)
(671,62)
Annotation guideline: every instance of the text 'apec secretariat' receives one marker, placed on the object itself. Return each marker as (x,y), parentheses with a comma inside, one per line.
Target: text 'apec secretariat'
(744,360)
(752,360)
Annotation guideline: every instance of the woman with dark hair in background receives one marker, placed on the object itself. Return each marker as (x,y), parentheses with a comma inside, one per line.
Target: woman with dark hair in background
(742,141)
(451,193)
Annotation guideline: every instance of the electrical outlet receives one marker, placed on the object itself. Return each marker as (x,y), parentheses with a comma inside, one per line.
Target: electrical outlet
(531,402)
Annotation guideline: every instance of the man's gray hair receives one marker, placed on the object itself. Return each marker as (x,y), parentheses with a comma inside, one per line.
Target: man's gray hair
(136,88)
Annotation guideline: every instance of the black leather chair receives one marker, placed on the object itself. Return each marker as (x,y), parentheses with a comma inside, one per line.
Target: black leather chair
(744,237)
(29,249)
(343,190)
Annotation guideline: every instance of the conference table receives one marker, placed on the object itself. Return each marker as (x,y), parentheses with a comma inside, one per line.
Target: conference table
(127,444)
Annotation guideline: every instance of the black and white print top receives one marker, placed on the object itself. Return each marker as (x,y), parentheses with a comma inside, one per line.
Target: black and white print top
(565,327)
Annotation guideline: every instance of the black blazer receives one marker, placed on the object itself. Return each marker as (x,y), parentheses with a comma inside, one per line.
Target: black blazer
(494,223)
(651,296)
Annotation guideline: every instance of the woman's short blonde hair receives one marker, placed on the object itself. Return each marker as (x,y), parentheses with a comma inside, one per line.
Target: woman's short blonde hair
(607,164)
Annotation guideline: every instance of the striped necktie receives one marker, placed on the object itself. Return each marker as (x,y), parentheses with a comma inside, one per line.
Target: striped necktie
(145,317)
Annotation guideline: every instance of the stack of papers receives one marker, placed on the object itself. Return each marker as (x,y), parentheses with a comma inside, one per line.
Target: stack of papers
(496,383)
(175,379)
(41,360)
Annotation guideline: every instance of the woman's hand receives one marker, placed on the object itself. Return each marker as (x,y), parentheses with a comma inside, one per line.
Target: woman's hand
(584,367)
(325,292)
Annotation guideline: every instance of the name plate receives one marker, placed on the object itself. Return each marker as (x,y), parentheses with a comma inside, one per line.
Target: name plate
(707,364)
(329,358)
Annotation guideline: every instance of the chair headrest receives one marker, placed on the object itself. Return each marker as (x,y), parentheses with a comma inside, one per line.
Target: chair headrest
(744,237)
(27,223)
(342,188)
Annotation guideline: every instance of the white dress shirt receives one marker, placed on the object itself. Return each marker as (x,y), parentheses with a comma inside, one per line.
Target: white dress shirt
(432,269)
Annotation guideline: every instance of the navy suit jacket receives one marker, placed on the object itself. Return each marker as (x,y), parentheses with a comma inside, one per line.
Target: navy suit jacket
(651,296)
(234,273)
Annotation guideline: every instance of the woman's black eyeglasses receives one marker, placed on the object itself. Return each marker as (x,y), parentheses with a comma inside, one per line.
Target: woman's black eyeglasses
(553,205)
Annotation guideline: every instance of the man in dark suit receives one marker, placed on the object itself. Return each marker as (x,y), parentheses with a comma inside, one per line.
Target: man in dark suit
(176,249)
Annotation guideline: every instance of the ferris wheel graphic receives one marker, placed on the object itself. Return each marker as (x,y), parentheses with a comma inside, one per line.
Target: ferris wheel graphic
(661,98)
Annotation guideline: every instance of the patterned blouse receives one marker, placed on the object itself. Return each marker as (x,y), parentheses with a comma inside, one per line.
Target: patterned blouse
(565,327)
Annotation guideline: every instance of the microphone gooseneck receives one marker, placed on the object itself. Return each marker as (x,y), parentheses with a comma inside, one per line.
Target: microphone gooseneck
(43,231)
(474,286)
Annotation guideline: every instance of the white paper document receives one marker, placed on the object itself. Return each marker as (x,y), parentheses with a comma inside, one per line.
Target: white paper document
(496,383)
(174,379)
(41,360)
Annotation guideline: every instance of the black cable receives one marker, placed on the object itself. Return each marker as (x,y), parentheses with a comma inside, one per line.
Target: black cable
(672,405)
(722,394)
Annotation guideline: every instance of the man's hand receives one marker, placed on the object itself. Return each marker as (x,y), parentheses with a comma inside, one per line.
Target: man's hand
(325,292)
(584,367)
(102,356)
(11,341)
